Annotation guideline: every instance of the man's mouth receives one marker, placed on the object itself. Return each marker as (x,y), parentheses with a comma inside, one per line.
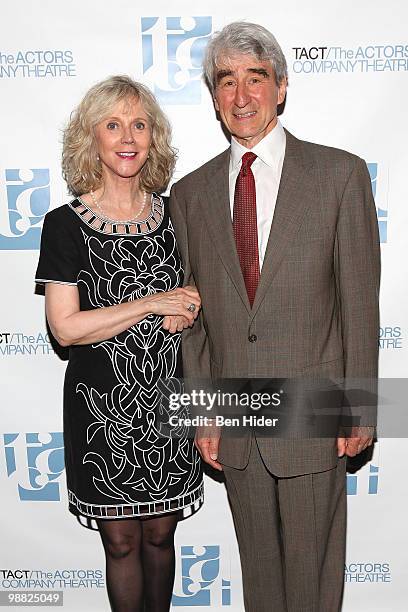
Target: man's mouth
(241,116)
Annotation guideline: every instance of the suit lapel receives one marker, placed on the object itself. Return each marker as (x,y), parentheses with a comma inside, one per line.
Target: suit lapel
(294,197)
(296,189)
(216,207)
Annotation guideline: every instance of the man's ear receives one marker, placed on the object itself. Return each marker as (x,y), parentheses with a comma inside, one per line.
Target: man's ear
(216,105)
(282,90)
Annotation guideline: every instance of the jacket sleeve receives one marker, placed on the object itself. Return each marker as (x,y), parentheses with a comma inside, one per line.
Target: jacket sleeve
(357,273)
(196,358)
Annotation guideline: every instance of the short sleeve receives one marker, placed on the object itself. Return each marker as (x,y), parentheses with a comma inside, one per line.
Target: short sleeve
(59,257)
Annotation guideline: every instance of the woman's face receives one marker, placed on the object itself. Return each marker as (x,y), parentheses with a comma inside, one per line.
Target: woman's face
(123,139)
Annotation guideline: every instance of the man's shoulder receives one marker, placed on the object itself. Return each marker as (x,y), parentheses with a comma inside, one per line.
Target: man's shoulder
(324,155)
(193,179)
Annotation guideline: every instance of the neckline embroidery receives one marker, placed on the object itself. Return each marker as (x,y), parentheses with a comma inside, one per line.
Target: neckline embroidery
(135,228)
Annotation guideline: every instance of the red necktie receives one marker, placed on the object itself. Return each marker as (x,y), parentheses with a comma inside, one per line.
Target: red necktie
(245,225)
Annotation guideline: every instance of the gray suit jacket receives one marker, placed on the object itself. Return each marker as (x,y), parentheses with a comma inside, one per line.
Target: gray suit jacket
(316,308)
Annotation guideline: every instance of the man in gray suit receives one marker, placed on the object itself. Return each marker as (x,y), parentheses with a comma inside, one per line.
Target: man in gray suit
(280,237)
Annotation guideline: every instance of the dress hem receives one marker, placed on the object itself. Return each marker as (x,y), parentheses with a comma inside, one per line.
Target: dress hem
(189,504)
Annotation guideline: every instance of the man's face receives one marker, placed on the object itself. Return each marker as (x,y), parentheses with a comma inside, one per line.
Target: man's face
(246,96)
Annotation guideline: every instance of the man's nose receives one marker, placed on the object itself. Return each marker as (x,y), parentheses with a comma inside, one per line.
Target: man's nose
(241,95)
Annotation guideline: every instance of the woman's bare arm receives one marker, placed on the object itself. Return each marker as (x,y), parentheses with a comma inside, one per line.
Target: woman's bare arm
(71,326)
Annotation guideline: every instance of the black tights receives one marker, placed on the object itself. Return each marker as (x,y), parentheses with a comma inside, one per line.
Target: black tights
(139,562)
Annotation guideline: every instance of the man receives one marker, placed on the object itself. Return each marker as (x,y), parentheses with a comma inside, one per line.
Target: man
(280,237)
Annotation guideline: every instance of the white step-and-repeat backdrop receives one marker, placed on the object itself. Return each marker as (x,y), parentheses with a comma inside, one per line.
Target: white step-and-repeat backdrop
(348,65)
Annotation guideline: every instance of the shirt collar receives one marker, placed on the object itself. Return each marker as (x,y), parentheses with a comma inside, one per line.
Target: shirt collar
(270,149)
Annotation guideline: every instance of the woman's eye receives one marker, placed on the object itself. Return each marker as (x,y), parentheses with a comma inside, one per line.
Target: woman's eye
(139,125)
(111,125)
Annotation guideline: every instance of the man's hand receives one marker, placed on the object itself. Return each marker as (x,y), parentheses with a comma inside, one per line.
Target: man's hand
(207,440)
(359,439)
(175,323)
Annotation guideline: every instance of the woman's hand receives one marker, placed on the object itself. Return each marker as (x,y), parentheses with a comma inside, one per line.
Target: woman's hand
(177,303)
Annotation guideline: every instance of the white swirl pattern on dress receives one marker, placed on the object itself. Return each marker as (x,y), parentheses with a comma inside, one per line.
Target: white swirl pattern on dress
(143,464)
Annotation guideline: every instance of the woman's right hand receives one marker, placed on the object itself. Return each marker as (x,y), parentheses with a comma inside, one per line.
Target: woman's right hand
(176,302)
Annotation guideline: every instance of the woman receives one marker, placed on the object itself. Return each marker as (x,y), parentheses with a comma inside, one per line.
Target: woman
(112,277)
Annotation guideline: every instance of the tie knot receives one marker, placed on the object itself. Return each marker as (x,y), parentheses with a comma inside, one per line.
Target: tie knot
(247,161)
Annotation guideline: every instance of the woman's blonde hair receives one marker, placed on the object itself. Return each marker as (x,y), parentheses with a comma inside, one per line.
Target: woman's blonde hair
(80,165)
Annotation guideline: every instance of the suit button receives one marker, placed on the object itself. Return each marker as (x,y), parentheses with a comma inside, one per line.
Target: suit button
(253,338)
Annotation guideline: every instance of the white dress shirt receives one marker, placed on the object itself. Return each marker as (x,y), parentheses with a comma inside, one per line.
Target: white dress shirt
(267,170)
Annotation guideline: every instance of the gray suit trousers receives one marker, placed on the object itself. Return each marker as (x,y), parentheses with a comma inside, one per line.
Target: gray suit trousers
(291,536)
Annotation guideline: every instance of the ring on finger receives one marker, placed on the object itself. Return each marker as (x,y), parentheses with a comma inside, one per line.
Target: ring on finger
(191,307)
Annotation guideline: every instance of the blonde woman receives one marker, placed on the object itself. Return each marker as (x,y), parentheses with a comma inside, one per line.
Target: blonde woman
(113,276)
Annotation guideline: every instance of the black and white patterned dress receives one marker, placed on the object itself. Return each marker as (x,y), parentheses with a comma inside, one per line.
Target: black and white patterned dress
(119,463)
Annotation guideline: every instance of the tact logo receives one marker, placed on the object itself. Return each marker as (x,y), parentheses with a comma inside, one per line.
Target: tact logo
(35,461)
(327,59)
(14,344)
(367,572)
(47,579)
(200,582)
(311,53)
(390,337)
(173,50)
(30,63)
(27,193)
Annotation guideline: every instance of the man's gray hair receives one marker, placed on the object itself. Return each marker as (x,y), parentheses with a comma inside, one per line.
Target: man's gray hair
(243,38)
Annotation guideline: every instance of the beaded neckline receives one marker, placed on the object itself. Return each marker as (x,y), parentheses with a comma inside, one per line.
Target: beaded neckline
(120,228)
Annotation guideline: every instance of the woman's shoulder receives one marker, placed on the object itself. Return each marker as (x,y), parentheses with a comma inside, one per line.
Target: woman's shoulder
(61,221)
(61,214)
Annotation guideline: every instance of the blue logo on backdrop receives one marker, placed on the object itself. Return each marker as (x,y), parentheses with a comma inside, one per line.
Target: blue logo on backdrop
(35,461)
(38,63)
(28,200)
(381,213)
(18,343)
(200,568)
(173,49)
(390,337)
(319,59)
(371,487)
(50,579)
(367,571)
